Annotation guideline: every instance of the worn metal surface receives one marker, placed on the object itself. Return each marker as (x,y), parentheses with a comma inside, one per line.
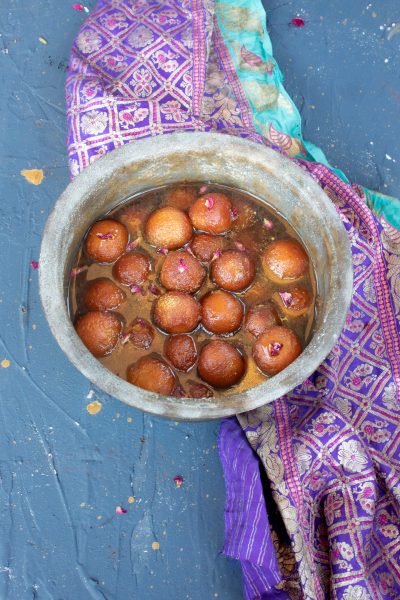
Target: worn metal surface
(63,470)
(213,157)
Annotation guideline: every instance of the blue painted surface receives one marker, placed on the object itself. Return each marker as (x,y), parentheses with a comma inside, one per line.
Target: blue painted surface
(63,471)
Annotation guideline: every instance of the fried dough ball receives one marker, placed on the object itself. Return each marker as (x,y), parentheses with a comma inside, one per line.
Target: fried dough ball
(204,246)
(177,312)
(153,374)
(285,260)
(132,268)
(244,215)
(139,333)
(169,228)
(181,351)
(134,215)
(181,197)
(233,270)
(222,313)
(102,294)
(220,364)
(99,331)
(294,303)
(275,349)
(182,271)
(260,318)
(195,389)
(212,213)
(106,241)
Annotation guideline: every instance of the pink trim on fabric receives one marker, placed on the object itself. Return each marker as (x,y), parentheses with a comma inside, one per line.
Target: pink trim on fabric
(199,55)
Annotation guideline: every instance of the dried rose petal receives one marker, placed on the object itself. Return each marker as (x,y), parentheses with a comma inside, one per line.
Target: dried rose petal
(298,22)
(178,481)
(267,224)
(153,289)
(234,213)
(105,236)
(78,270)
(182,266)
(274,348)
(216,255)
(188,249)
(137,289)
(286,298)
(34,264)
(163,251)
(120,510)
(125,338)
(209,202)
(203,189)
(239,246)
(179,392)
(132,245)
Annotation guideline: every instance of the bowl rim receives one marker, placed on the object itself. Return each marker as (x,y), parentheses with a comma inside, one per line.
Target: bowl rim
(191,409)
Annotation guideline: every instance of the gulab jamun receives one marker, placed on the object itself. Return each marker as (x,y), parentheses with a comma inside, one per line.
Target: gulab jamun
(211,213)
(106,241)
(102,294)
(205,247)
(181,197)
(220,364)
(293,303)
(134,216)
(275,349)
(139,333)
(182,271)
(99,331)
(260,318)
(233,270)
(169,228)
(181,351)
(177,312)
(243,215)
(132,268)
(221,312)
(153,374)
(285,260)
(195,389)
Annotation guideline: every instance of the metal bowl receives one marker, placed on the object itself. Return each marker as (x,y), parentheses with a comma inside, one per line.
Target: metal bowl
(222,159)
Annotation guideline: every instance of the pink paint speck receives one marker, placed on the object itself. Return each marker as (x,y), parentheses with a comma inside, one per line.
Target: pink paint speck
(120,510)
(298,22)
(34,264)
(178,481)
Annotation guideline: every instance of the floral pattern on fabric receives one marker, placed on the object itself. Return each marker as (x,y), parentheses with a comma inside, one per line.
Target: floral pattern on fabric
(330,449)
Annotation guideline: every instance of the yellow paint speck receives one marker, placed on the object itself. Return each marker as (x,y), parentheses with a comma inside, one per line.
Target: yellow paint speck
(34,326)
(33,176)
(94,407)
(43,40)
(129,419)
(5,363)
(131,499)
(155,546)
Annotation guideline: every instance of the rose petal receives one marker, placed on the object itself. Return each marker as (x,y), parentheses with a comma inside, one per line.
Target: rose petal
(105,236)
(132,245)
(203,189)
(209,202)
(163,251)
(125,339)
(286,298)
(298,22)
(216,255)
(120,510)
(239,246)
(178,481)
(182,266)
(153,289)
(34,264)
(137,289)
(274,348)
(234,213)
(77,271)
(268,224)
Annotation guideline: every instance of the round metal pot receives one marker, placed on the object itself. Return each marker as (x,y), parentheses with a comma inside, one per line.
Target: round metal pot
(212,157)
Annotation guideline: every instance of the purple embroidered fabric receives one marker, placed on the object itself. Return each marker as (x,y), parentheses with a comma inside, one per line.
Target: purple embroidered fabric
(313,480)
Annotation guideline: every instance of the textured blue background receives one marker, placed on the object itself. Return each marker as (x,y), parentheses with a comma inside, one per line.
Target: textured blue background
(63,471)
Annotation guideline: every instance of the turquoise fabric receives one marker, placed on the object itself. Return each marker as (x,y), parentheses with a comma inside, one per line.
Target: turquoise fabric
(275,116)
